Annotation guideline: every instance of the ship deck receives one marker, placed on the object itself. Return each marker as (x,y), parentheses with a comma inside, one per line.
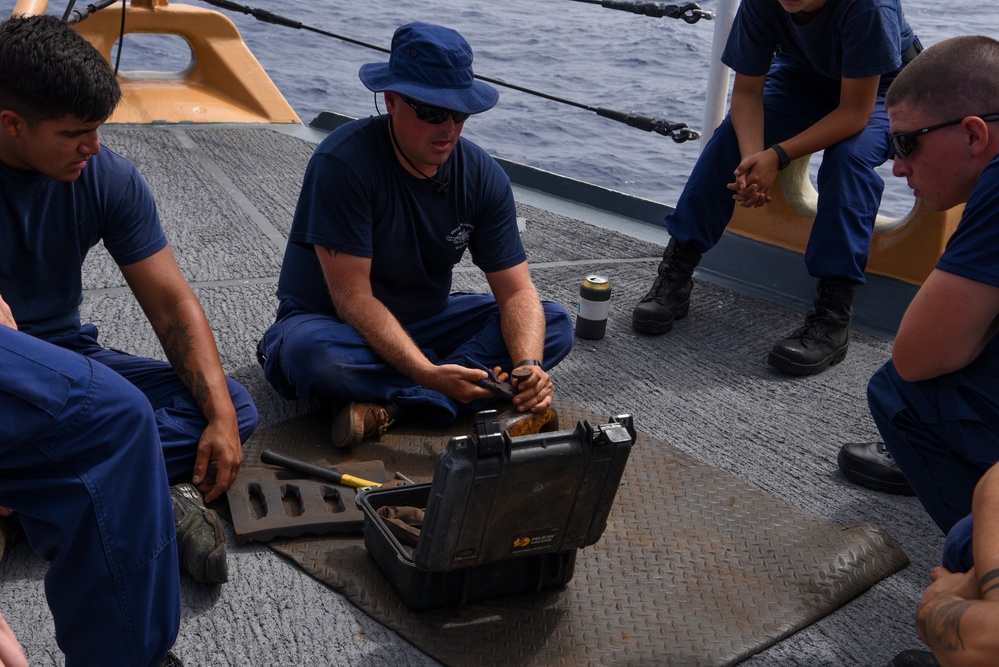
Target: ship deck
(226,196)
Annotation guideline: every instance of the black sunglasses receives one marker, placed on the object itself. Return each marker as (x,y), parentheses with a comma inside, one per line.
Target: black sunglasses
(434,115)
(905,143)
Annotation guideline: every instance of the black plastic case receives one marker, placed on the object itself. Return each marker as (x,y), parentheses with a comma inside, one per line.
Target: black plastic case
(503,515)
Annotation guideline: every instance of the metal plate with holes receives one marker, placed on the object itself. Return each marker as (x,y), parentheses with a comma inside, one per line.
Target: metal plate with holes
(267,502)
(695,567)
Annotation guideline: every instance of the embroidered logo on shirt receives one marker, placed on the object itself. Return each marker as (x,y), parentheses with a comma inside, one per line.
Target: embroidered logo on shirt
(460,235)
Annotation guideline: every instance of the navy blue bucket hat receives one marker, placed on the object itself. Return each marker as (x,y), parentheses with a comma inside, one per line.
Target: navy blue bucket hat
(431,64)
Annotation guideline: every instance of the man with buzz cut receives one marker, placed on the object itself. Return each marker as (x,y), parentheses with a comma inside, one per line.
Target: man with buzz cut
(367,321)
(934,402)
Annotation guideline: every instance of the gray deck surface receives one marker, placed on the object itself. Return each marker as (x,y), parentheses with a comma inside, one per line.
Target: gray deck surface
(226,198)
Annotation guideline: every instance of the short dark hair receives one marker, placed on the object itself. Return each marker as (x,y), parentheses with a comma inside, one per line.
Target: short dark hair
(48,71)
(957,77)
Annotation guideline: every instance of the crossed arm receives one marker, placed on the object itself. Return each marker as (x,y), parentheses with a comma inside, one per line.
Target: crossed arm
(959,613)
(182,328)
(348,278)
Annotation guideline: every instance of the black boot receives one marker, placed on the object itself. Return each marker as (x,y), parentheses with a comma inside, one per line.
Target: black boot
(824,339)
(669,298)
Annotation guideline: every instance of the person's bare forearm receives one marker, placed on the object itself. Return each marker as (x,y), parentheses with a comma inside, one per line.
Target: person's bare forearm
(523,321)
(386,336)
(985,542)
(960,632)
(190,348)
(747,121)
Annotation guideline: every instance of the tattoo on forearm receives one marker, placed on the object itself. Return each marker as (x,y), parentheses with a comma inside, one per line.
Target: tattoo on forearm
(942,627)
(177,344)
(989,582)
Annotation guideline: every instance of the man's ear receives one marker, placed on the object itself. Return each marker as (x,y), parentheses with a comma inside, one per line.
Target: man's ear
(391,101)
(978,136)
(11,123)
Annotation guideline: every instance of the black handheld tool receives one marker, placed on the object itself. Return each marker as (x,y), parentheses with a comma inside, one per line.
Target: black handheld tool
(502,389)
(313,470)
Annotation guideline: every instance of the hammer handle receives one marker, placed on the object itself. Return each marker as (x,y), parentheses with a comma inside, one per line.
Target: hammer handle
(313,470)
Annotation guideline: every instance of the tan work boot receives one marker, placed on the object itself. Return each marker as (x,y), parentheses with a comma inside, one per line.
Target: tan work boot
(357,421)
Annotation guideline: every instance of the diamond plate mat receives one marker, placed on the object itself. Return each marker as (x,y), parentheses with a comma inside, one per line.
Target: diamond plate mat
(695,567)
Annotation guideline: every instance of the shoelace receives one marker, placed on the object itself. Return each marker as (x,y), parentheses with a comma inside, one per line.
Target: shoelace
(381,419)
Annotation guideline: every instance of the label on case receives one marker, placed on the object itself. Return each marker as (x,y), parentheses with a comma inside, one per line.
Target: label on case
(533,541)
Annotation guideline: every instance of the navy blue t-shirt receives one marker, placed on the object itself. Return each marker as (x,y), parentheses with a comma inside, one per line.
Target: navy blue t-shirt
(47,227)
(849,39)
(972,251)
(358,199)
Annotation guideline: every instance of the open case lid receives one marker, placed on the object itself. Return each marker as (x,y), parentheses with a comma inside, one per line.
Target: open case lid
(495,496)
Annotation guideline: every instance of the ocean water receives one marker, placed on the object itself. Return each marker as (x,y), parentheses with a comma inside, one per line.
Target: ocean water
(573,50)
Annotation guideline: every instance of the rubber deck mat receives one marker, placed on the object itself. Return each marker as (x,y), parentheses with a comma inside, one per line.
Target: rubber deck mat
(695,567)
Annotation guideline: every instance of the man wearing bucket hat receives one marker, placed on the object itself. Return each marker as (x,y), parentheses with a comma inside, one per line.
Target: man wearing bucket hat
(367,320)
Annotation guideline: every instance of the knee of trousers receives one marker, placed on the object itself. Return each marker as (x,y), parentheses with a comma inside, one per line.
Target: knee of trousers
(885,392)
(559,335)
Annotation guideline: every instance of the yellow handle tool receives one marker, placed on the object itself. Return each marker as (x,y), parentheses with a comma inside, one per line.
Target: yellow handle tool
(313,470)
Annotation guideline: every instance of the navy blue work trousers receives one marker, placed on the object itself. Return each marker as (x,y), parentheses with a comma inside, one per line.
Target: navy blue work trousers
(82,467)
(318,357)
(943,435)
(849,187)
(178,417)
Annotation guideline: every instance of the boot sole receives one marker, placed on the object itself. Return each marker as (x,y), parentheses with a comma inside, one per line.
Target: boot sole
(656,327)
(792,368)
(873,483)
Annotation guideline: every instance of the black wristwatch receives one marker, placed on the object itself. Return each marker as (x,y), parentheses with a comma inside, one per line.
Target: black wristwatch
(528,362)
(782,157)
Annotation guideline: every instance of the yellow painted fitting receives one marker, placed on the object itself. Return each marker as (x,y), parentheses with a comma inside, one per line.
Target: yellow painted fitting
(223,84)
(905,248)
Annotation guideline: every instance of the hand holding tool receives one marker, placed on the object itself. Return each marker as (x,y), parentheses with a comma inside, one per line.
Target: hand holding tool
(500,388)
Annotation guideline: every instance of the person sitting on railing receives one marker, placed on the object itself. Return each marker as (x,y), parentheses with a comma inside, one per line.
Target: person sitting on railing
(389,206)
(934,402)
(61,194)
(810,76)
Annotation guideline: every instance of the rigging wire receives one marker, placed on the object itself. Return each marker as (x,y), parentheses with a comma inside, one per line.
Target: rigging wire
(121,38)
(69,8)
(690,12)
(678,132)
(71,17)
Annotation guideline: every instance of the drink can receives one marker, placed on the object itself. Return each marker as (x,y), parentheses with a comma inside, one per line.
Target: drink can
(594,306)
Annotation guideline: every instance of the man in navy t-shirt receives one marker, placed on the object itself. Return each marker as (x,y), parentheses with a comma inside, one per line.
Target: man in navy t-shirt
(367,319)
(92,438)
(934,401)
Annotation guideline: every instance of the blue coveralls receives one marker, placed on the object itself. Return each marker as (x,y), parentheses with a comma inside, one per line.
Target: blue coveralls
(944,432)
(48,227)
(802,86)
(849,187)
(318,356)
(358,199)
(82,468)
(179,421)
